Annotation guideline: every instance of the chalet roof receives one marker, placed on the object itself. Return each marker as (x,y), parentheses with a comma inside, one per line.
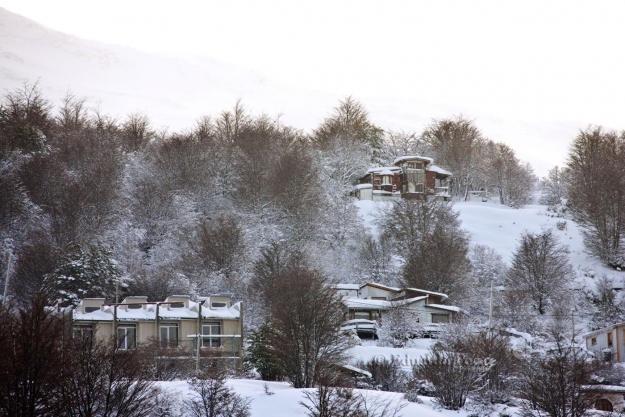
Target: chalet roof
(380,286)
(448,308)
(439,170)
(355,303)
(400,159)
(347,286)
(440,294)
(379,170)
(604,388)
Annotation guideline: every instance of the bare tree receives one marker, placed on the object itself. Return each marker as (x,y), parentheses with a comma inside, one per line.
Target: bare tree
(540,268)
(453,375)
(456,145)
(137,131)
(440,263)
(554,188)
(408,223)
(596,191)
(31,359)
(552,383)
(513,180)
(306,317)
(98,380)
(213,398)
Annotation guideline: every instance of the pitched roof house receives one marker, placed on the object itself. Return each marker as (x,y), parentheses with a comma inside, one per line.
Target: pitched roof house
(411,176)
(374,299)
(176,322)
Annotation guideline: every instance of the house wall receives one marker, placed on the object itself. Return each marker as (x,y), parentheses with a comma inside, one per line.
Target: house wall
(369,293)
(618,343)
(430,179)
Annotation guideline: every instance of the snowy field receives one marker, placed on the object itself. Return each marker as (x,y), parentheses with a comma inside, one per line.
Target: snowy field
(285,401)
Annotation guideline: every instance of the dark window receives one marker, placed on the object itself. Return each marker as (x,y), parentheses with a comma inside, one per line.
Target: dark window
(610,339)
(209,329)
(177,305)
(440,318)
(604,405)
(218,304)
(135,306)
(91,309)
(593,341)
(361,315)
(127,336)
(83,331)
(169,334)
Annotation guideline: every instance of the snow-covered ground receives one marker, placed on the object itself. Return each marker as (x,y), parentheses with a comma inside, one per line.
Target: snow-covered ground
(407,357)
(285,400)
(499,227)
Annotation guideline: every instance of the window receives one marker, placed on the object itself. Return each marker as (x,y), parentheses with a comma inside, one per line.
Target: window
(218,304)
(610,339)
(211,329)
(415,165)
(126,336)
(83,331)
(176,305)
(386,180)
(604,405)
(169,335)
(361,315)
(91,309)
(440,318)
(593,341)
(135,306)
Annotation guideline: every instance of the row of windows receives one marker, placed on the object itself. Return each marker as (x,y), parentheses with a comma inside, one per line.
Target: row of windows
(169,335)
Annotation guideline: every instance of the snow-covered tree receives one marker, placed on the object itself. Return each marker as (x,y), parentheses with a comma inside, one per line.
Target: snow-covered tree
(398,325)
(86,273)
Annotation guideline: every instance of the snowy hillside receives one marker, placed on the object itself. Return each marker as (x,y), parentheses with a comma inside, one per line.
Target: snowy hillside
(499,227)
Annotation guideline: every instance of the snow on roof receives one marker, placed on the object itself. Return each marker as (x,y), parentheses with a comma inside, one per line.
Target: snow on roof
(379,170)
(448,308)
(386,172)
(381,286)
(148,312)
(357,370)
(355,303)
(609,388)
(439,170)
(365,303)
(361,186)
(440,294)
(347,286)
(412,158)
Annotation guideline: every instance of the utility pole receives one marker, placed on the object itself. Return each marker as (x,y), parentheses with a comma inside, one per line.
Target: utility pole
(490,312)
(6,282)
(573,328)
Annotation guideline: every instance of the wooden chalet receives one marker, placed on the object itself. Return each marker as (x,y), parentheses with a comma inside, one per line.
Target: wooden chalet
(411,177)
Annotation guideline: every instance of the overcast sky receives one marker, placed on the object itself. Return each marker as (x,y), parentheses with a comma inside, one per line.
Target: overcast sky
(539,64)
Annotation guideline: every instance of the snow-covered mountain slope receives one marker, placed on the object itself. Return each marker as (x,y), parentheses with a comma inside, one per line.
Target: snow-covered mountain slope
(174,92)
(499,227)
